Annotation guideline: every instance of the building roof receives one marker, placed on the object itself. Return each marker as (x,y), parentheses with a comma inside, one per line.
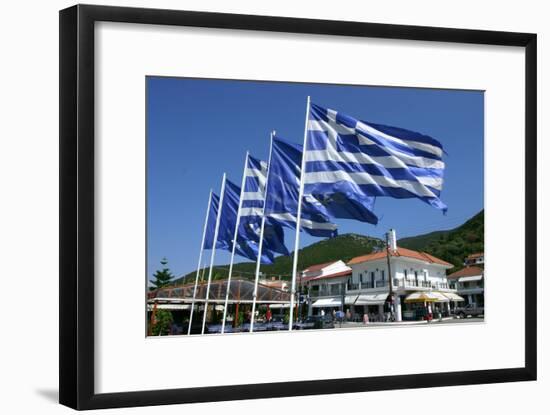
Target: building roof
(400,252)
(333,275)
(466,272)
(476,255)
(318,267)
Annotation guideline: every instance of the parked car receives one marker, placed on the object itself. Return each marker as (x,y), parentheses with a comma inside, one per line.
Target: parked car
(315,322)
(470,310)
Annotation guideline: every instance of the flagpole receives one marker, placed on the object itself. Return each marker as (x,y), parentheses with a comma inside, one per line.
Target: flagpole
(298,221)
(199,265)
(261,244)
(234,243)
(212,255)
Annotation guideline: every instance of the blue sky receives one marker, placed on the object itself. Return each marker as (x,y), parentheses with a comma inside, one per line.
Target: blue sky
(198,129)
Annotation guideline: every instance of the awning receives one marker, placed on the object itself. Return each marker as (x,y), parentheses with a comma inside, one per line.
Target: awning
(473,278)
(422,296)
(453,296)
(169,307)
(277,306)
(350,299)
(328,302)
(371,299)
(442,298)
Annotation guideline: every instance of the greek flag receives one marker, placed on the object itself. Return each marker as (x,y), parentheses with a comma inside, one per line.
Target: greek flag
(252,209)
(211,225)
(226,230)
(357,160)
(283,188)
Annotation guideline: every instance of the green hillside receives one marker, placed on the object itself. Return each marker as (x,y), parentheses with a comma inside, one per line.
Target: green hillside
(342,247)
(452,245)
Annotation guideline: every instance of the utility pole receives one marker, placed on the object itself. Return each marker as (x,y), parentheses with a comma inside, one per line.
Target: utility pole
(390,277)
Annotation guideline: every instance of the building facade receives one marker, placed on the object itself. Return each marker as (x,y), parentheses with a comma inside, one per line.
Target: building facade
(362,285)
(469,281)
(325,286)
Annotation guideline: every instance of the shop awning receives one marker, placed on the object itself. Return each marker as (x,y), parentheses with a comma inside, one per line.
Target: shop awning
(328,302)
(169,307)
(278,306)
(371,299)
(472,278)
(350,299)
(441,298)
(453,296)
(422,296)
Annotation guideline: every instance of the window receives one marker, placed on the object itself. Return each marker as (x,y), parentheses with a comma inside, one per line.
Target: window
(382,273)
(405,272)
(361,277)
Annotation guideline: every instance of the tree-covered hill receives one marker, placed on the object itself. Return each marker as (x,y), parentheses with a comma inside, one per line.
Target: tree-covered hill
(342,247)
(451,245)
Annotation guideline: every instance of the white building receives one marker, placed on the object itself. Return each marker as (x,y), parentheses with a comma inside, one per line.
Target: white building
(469,283)
(326,286)
(475,259)
(411,271)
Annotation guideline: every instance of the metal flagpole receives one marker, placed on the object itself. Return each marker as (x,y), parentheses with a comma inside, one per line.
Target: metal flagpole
(298,220)
(261,244)
(234,243)
(199,265)
(213,254)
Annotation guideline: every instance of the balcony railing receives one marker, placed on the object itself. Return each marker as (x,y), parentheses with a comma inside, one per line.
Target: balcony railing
(405,283)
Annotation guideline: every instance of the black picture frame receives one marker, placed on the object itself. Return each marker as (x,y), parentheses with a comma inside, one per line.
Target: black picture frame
(76,280)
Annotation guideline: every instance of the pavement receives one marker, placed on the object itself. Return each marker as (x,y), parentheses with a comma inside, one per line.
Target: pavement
(446,320)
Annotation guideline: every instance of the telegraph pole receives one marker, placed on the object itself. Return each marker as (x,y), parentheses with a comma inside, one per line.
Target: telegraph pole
(390,277)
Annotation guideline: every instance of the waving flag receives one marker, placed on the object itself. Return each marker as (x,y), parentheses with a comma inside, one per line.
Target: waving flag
(211,225)
(252,209)
(282,193)
(245,246)
(355,160)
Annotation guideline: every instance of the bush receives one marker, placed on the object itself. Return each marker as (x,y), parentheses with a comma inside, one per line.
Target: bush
(163,322)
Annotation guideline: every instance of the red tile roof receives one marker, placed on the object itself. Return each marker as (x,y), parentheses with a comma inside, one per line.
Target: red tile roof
(466,272)
(334,275)
(476,255)
(318,267)
(400,252)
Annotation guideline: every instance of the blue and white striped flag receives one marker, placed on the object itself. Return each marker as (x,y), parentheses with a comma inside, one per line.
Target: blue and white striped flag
(211,225)
(228,220)
(358,160)
(252,209)
(283,189)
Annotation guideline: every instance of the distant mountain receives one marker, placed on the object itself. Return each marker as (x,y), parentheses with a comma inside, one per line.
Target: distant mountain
(342,247)
(451,245)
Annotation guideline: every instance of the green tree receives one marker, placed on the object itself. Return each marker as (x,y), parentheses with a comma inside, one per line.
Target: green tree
(163,322)
(162,277)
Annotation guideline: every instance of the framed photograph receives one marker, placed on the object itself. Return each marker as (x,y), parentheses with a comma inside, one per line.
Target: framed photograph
(258,206)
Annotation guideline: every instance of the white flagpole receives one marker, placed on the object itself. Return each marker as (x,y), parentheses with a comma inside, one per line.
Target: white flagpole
(199,265)
(213,254)
(298,221)
(261,244)
(234,243)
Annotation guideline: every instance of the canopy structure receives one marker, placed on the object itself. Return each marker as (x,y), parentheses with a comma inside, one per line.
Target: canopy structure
(472,278)
(172,307)
(328,302)
(453,297)
(423,297)
(350,299)
(371,299)
(241,291)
